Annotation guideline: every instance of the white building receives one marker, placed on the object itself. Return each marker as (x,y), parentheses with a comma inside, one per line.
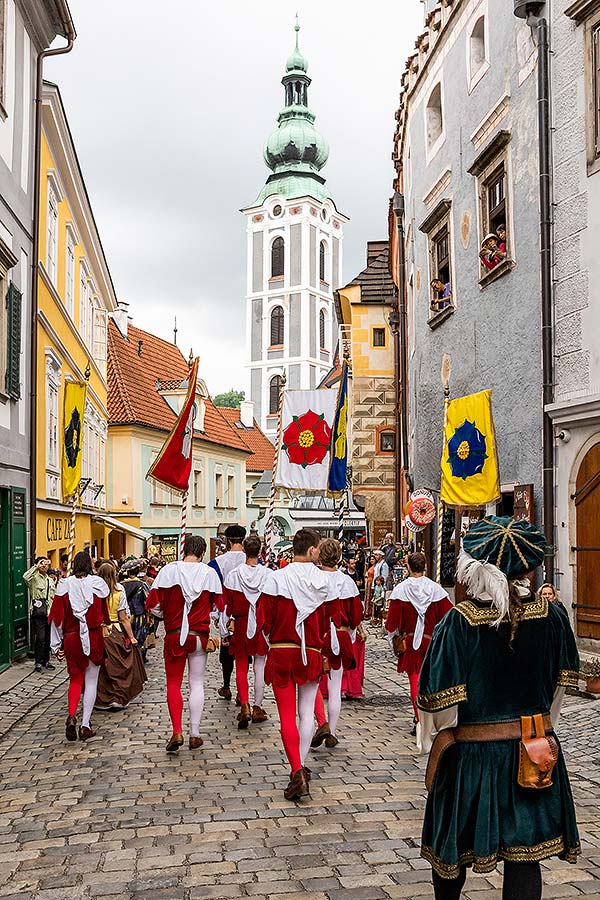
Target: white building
(294,257)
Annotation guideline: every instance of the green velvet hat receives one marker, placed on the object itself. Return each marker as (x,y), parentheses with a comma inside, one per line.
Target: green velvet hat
(514,546)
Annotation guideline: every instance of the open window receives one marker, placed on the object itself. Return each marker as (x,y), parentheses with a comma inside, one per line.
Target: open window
(277,258)
(437,227)
(491,170)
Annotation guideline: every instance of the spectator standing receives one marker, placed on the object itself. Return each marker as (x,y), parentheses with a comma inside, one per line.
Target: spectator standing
(41,592)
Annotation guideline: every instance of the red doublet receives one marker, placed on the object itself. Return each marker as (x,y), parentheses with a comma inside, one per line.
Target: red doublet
(277,620)
(237,606)
(347,615)
(62,616)
(170,601)
(402,616)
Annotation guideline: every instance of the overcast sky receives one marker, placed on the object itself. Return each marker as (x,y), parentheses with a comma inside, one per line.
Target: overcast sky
(170,105)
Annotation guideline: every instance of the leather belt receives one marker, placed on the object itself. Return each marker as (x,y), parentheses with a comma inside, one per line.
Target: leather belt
(190,633)
(344,628)
(288,645)
(477,733)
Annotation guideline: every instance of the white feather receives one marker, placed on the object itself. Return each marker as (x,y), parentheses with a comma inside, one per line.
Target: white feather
(484,581)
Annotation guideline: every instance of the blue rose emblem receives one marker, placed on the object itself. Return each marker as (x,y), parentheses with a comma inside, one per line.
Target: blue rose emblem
(466,449)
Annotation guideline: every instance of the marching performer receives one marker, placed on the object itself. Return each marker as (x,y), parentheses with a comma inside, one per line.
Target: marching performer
(76,617)
(223,565)
(183,594)
(241,590)
(345,613)
(490,692)
(292,616)
(417,604)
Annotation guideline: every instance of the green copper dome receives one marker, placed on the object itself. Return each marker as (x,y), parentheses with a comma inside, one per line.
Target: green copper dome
(295,152)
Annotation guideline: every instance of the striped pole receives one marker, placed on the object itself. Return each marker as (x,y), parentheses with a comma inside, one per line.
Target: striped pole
(341,512)
(184,506)
(271,513)
(72,531)
(446,369)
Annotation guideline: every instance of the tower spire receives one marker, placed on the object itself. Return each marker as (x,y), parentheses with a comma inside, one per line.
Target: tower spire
(297,30)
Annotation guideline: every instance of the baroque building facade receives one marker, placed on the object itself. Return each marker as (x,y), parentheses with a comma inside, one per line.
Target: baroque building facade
(294,257)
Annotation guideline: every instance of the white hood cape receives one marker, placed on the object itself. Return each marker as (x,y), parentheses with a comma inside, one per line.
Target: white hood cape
(306,586)
(193,579)
(249,581)
(420,593)
(81,593)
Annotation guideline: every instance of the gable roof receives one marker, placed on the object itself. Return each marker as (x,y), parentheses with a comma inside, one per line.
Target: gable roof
(263,451)
(376,285)
(135,365)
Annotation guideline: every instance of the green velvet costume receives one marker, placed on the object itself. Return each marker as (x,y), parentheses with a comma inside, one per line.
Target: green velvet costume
(476,813)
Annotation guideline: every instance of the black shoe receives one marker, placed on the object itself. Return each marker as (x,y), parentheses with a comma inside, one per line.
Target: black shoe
(49,666)
(38,667)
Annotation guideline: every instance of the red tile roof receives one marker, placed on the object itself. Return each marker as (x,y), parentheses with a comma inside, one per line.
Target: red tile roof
(263,451)
(135,364)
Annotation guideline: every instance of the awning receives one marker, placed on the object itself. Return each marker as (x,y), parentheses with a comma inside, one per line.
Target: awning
(117,525)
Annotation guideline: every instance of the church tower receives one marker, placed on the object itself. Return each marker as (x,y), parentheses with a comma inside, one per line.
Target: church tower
(294,260)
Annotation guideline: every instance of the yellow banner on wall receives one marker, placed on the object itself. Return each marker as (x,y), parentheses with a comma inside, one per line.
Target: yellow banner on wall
(470,474)
(75,393)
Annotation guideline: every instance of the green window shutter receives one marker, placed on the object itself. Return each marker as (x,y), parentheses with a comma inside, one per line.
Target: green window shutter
(13,356)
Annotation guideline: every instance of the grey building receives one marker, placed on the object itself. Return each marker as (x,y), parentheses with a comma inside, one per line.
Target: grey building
(466,155)
(27,27)
(575,42)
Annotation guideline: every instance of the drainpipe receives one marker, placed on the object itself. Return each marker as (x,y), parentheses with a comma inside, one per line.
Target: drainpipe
(530,12)
(398,207)
(37,144)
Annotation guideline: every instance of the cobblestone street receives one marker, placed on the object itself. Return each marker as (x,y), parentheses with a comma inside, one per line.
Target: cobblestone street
(118,818)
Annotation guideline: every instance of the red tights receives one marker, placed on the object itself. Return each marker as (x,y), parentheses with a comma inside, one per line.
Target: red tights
(285,698)
(241,676)
(413,680)
(74,693)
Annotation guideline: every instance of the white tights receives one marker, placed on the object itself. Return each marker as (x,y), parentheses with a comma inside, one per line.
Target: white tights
(196,670)
(259,679)
(306,709)
(334,695)
(89,695)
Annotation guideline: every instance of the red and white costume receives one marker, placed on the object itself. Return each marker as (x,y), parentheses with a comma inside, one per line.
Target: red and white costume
(76,617)
(184,594)
(242,588)
(345,611)
(292,615)
(416,606)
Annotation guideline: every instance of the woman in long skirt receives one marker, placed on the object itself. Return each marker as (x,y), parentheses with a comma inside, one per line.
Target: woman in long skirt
(122,675)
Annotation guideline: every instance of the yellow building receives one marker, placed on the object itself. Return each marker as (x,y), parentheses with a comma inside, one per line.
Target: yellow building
(75,296)
(363,307)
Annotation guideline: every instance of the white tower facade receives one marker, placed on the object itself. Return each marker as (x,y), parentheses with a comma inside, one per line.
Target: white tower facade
(294,258)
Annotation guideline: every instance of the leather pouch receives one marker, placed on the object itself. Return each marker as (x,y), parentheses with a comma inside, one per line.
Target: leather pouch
(538,753)
(212,644)
(326,665)
(399,644)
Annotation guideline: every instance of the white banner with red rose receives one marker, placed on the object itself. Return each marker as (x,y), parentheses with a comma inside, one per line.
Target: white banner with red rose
(306,423)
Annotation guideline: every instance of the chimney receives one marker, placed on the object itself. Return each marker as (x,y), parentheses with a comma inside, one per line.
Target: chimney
(247,413)
(120,316)
(375,249)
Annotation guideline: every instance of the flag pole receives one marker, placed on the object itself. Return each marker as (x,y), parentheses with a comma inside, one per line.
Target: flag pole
(341,513)
(184,507)
(446,371)
(269,525)
(72,531)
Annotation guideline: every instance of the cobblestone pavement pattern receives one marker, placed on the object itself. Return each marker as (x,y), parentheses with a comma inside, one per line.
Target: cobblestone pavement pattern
(118,818)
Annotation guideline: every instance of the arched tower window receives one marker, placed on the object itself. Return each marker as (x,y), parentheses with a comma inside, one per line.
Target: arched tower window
(274,392)
(322,322)
(277,325)
(277,249)
(323,261)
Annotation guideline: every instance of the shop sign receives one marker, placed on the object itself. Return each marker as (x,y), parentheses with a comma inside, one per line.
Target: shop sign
(58,528)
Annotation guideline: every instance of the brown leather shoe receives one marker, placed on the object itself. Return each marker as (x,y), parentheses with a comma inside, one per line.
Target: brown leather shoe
(174,744)
(298,786)
(85,733)
(244,715)
(71,728)
(238,702)
(225,693)
(320,735)
(195,743)
(331,741)
(259,715)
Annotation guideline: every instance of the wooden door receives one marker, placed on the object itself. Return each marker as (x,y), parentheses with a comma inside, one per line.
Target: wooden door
(587,506)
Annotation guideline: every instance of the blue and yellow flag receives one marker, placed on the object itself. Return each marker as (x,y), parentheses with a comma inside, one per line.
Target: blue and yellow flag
(338,468)
(470,475)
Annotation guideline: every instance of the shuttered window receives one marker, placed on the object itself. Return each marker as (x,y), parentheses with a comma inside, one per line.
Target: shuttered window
(322,330)
(323,261)
(274,391)
(277,327)
(13,350)
(277,261)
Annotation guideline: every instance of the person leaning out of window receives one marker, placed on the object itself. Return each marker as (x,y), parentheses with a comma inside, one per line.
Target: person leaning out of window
(41,593)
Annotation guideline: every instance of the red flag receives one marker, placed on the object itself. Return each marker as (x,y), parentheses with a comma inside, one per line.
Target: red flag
(173,465)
